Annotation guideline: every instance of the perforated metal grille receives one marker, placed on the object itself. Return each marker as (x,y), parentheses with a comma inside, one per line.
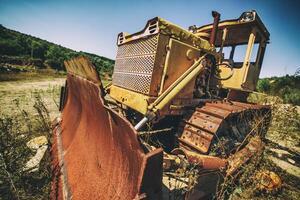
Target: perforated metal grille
(138,47)
(140,64)
(134,64)
(136,82)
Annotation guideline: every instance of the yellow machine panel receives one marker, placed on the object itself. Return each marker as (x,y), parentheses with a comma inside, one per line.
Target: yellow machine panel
(179,58)
(151,61)
(134,100)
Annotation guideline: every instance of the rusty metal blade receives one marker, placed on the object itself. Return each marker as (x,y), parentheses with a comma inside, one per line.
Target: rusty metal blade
(96,153)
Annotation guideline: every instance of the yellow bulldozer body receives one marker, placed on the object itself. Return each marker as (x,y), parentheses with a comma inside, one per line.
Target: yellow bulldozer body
(175,104)
(166,51)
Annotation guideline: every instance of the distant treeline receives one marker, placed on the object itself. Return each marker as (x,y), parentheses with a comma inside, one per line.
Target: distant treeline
(286,87)
(20,49)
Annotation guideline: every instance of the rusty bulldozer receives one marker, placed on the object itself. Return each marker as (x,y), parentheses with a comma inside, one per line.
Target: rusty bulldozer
(177,103)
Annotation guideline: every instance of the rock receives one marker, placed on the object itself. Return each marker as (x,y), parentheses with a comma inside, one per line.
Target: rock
(33,164)
(40,145)
(291,161)
(36,142)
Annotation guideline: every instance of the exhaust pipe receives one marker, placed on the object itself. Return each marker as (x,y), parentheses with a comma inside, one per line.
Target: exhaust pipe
(214,31)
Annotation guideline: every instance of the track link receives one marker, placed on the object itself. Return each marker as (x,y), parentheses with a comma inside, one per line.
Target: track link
(209,122)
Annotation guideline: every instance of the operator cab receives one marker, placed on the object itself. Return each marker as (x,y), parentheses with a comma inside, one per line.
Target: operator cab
(241,43)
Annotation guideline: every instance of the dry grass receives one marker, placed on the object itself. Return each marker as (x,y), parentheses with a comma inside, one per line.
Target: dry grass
(43,74)
(15,132)
(280,155)
(26,110)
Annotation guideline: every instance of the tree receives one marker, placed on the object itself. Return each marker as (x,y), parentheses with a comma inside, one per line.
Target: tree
(55,57)
(38,49)
(263,85)
(10,47)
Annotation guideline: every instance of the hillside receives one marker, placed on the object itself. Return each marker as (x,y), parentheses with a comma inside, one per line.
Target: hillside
(18,50)
(286,87)
(22,53)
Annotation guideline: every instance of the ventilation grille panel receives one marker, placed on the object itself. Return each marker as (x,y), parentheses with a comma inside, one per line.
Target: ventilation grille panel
(134,64)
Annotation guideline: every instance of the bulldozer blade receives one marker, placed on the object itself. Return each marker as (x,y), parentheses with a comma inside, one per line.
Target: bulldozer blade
(96,152)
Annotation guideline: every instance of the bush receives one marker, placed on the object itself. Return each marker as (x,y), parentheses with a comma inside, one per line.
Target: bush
(36,62)
(286,87)
(55,64)
(263,85)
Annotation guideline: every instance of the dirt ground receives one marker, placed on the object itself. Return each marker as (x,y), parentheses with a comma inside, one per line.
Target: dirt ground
(20,95)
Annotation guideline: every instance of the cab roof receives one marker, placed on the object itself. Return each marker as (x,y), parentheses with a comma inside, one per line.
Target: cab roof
(238,30)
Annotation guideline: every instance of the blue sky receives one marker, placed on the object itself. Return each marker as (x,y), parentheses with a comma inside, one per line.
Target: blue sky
(93,26)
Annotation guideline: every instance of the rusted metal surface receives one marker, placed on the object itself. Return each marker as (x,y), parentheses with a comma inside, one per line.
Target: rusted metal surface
(57,188)
(254,147)
(196,138)
(206,162)
(203,125)
(202,161)
(232,163)
(96,153)
(214,30)
(268,181)
(215,168)
(60,186)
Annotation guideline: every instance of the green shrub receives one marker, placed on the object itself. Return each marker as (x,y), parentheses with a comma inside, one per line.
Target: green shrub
(263,85)
(286,87)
